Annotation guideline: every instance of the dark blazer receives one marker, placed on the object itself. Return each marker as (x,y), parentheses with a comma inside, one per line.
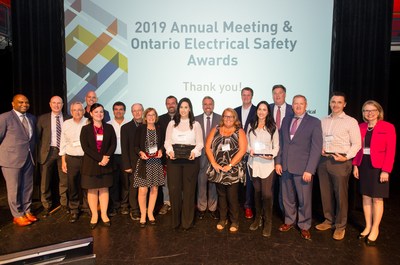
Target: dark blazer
(129,156)
(302,153)
(43,130)
(140,141)
(253,110)
(15,145)
(91,158)
(163,121)
(140,138)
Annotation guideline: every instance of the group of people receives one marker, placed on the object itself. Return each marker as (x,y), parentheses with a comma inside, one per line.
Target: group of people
(118,165)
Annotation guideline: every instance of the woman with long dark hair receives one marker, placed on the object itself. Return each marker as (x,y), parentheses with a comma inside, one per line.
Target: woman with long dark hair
(263,146)
(183,144)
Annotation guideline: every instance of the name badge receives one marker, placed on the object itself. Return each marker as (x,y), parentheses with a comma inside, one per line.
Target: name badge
(99,137)
(153,149)
(226,147)
(366,151)
(76,143)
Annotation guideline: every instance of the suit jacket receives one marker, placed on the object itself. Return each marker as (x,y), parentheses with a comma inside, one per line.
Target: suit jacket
(43,130)
(128,134)
(252,113)
(91,158)
(382,148)
(215,121)
(15,144)
(302,153)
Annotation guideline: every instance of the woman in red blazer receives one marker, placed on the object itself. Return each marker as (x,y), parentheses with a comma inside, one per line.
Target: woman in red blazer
(372,166)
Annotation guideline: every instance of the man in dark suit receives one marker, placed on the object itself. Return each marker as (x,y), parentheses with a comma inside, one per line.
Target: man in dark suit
(280,109)
(48,130)
(211,118)
(129,159)
(90,99)
(300,150)
(171,102)
(17,144)
(246,114)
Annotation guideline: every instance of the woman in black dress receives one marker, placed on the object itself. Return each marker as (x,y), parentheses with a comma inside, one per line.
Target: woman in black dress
(372,166)
(98,141)
(149,141)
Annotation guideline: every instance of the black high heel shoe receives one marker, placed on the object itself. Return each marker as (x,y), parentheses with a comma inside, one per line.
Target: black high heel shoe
(361,236)
(152,222)
(370,243)
(93,225)
(143,224)
(108,223)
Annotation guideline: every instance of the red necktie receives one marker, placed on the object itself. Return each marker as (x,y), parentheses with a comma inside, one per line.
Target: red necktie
(278,117)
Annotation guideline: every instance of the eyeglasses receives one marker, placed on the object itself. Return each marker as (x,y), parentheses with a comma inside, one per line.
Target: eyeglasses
(369,111)
(228,117)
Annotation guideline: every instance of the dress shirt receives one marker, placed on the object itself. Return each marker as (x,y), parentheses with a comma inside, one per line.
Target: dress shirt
(70,137)
(283,112)
(341,134)
(182,134)
(205,123)
(117,129)
(20,116)
(245,114)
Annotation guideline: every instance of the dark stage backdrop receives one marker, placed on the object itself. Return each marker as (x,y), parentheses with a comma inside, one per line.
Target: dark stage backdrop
(361,58)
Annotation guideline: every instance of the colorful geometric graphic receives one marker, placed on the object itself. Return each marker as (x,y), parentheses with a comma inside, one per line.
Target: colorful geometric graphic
(95,43)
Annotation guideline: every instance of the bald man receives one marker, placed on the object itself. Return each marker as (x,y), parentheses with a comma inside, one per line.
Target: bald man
(90,99)
(17,144)
(49,135)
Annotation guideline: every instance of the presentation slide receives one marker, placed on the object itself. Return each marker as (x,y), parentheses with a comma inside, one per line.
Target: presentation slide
(143,51)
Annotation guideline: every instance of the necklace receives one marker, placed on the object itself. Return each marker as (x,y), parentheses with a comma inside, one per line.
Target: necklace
(370,129)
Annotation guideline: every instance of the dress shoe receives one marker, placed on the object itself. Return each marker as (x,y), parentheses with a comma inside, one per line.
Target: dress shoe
(361,236)
(221,224)
(164,209)
(339,234)
(65,209)
(112,212)
(73,218)
(323,226)
(370,243)
(248,213)
(256,223)
(31,217)
(124,211)
(46,213)
(142,224)
(285,227)
(135,216)
(21,221)
(93,225)
(214,215)
(107,223)
(202,214)
(234,228)
(305,234)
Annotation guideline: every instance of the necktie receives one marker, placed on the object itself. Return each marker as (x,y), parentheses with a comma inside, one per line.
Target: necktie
(208,125)
(294,126)
(25,123)
(278,117)
(58,130)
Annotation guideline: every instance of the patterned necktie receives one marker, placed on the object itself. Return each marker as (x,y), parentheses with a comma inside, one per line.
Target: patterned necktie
(58,130)
(278,118)
(208,126)
(294,126)
(25,123)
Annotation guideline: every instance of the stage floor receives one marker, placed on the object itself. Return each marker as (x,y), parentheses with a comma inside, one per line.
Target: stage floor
(126,243)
